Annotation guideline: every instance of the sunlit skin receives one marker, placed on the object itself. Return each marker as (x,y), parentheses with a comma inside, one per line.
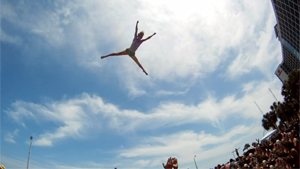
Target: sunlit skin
(134,46)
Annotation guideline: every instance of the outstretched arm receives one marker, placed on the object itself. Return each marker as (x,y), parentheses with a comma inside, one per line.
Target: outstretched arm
(136,28)
(149,37)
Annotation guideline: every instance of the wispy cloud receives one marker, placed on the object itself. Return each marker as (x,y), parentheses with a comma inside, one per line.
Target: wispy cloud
(163,92)
(10,136)
(208,35)
(21,162)
(9,39)
(261,55)
(186,143)
(152,151)
(77,115)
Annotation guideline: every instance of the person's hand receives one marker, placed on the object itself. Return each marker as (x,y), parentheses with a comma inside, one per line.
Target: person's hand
(137,22)
(154,34)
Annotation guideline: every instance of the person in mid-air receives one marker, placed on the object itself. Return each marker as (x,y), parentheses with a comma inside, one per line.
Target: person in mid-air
(137,41)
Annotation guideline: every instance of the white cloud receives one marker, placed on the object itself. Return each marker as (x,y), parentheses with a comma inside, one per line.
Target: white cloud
(261,55)
(9,39)
(192,41)
(186,143)
(70,129)
(248,87)
(10,136)
(163,92)
(17,162)
(205,38)
(12,162)
(135,91)
(152,151)
(76,115)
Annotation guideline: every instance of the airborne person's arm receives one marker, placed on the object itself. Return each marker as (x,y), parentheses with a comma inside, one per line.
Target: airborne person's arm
(149,37)
(136,29)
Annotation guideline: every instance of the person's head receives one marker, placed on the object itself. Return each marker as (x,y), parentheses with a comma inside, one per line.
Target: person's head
(140,35)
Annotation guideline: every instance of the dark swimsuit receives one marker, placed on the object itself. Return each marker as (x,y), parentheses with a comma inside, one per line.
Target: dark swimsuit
(130,53)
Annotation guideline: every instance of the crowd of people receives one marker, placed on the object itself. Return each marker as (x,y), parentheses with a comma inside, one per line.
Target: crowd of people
(280,151)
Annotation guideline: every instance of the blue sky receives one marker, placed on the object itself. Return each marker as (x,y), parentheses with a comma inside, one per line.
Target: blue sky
(208,62)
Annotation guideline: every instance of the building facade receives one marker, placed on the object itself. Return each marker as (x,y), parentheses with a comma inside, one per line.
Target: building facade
(287,31)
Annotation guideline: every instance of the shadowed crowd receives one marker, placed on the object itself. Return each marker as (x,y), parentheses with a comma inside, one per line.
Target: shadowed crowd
(280,151)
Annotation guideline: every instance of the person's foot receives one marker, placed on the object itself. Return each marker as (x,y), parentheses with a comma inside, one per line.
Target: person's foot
(102,57)
(146,73)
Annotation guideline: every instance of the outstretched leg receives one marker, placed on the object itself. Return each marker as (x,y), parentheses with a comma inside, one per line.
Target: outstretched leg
(138,63)
(115,54)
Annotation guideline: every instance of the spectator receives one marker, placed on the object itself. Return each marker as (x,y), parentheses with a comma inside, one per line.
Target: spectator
(169,164)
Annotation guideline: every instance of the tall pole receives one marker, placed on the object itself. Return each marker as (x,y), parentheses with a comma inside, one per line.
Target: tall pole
(258,108)
(195,162)
(273,95)
(260,111)
(233,154)
(29,151)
